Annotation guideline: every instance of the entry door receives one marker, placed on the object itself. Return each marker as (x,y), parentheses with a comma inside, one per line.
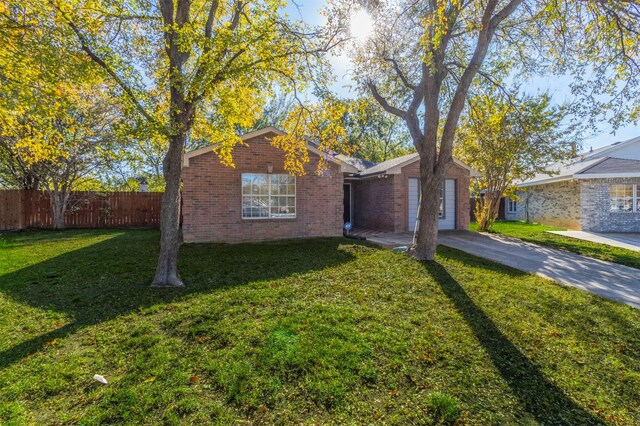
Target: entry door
(346,217)
(448,196)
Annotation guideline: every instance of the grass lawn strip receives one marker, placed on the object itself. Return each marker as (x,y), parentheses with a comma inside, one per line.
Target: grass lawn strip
(314,331)
(536,233)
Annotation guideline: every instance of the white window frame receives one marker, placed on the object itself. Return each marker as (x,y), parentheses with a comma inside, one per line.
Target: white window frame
(512,205)
(271,215)
(635,208)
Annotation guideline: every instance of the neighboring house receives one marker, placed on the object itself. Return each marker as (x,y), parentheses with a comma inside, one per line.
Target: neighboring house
(257,200)
(598,191)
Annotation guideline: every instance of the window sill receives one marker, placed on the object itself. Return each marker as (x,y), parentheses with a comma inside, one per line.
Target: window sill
(270,218)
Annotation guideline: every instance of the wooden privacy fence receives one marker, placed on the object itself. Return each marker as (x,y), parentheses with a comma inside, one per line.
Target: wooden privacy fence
(21,209)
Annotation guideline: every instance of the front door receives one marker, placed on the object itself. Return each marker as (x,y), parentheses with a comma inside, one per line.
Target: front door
(347,203)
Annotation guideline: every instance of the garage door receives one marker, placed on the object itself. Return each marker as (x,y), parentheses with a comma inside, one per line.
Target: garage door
(448,219)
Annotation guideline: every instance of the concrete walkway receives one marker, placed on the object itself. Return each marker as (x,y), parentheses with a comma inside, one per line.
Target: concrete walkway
(606,279)
(627,241)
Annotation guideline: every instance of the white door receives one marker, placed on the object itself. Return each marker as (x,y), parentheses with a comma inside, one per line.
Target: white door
(448,218)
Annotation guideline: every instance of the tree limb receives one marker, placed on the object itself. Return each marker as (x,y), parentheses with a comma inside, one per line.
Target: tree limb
(84,43)
(400,74)
(383,102)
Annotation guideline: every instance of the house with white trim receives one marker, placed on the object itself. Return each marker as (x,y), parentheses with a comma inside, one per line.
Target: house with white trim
(598,191)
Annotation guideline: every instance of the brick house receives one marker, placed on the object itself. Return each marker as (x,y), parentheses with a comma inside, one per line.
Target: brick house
(598,191)
(386,195)
(257,200)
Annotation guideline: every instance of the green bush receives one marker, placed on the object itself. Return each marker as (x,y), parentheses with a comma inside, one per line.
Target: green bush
(444,408)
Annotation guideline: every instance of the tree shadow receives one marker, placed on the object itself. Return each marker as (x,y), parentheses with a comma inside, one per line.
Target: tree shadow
(608,309)
(110,278)
(546,402)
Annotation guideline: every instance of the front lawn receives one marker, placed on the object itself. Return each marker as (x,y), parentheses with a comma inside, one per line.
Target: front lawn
(536,233)
(315,332)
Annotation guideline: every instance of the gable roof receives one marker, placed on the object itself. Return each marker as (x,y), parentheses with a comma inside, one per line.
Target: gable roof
(609,150)
(345,166)
(358,163)
(611,167)
(561,171)
(353,165)
(394,165)
(599,163)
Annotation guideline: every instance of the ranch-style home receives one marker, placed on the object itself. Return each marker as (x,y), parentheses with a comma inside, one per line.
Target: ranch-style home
(598,191)
(257,200)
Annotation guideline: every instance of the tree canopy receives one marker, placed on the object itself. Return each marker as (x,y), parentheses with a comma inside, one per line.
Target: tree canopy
(186,71)
(424,58)
(509,139)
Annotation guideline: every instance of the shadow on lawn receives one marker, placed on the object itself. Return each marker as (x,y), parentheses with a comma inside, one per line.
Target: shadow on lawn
(111,278)
(547,403)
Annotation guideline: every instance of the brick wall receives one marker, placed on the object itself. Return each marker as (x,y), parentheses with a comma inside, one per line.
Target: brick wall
(212,200)
(595,207)
(373,203)
(553,204)
(382,203)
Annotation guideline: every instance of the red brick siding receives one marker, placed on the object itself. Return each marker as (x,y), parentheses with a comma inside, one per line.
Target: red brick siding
(373,203)
(212,198)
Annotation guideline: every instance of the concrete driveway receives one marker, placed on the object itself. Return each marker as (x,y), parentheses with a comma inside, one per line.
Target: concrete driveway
(606,279)
(629,241)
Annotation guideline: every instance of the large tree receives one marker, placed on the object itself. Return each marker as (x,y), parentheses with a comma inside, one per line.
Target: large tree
(423,57)
(55,113)
(509,138)
(66,147)
(191,70)
(373,134)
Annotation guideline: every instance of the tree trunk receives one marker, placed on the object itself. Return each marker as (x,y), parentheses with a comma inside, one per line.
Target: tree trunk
(58,214)
(170,237)
(58,200)
(489,209)
(427,241)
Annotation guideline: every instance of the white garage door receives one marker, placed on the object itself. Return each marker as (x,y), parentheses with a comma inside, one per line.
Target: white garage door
(448,220)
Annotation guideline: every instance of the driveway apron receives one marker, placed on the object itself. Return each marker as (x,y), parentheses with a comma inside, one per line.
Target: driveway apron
(606,279)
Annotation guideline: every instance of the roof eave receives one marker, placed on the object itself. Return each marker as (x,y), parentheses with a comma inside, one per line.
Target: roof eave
(544,181)
(607,175)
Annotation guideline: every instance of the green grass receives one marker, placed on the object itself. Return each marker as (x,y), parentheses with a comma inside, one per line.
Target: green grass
(536,233)
(312,332)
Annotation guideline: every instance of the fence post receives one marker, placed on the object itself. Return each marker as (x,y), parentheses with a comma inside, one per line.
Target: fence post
(24,208)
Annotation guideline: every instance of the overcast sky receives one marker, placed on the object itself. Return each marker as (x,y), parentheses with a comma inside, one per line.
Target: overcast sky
(307,10)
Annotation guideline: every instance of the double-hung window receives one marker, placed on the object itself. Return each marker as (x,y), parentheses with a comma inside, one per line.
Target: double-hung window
(512,206)
(624,197)
(268,196)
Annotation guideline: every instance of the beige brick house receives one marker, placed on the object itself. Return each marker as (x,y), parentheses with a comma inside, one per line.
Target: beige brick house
(598,191)
(257,200)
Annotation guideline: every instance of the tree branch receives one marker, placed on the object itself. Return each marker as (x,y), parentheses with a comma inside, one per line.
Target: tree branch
(383,102)
(84,43)
(489,25)
(400,74)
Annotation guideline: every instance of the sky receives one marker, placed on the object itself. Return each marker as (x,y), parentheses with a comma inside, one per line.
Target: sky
(558,87)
